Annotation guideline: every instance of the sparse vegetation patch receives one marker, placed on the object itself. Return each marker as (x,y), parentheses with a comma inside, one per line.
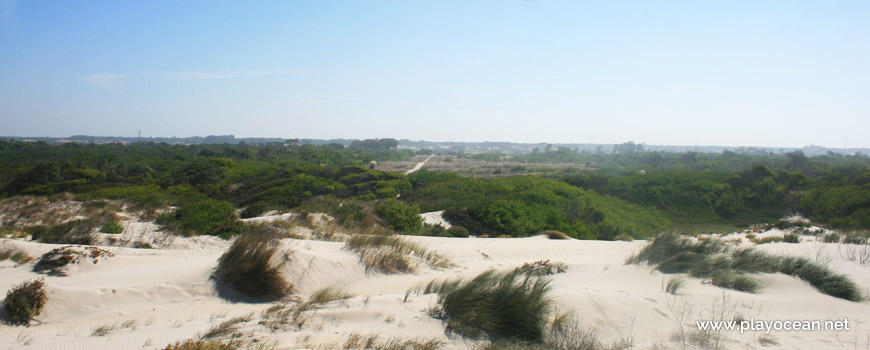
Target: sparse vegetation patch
(25,301)
(55,262)
(730,267)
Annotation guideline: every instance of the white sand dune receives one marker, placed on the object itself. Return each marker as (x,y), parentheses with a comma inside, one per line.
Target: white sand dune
(166,295)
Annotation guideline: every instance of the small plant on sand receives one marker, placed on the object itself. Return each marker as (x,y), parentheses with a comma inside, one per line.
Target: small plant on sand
(250,266)
(225,328)
(327,295)
(542,268)
(393,254)
(373,342)
(494,304)
(551,234)
(18,256)
(112,226)
(25,301)
(736,281)
(458,231)
(791,238)
(54,262)
(832,238)
(191,344)
(674,284)
(768,239)
(72,232)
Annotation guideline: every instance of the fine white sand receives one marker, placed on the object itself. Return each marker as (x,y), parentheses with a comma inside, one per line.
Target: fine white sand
(152,297)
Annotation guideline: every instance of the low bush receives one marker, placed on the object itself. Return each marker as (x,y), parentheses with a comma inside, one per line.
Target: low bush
(551,234)
(791,238)
(25,301)
(401,217)
(857,237)
(623,237)
(832,238)
(542,268)
(768,239)
(250,266)
(458,231)
(54,262)
(14,254)
(112,226)
(495,304)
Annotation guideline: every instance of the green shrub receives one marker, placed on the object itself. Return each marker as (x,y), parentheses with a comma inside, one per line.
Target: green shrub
(250,266)
(458,231)
(25,301)
(207,216)
(112,226)
(495,304)
(401,217)
(791,238)
(623,237)
(856,237)
(768,239)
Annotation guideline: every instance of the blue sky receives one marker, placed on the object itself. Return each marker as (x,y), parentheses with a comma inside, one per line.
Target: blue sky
(765,73)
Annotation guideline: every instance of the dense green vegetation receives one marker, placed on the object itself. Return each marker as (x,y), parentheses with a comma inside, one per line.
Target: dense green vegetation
(212,186)
(527,205)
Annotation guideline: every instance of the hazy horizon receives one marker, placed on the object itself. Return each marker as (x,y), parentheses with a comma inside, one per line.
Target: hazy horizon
(777,74)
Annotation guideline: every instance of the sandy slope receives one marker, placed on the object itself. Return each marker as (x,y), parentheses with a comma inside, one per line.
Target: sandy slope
(168,296)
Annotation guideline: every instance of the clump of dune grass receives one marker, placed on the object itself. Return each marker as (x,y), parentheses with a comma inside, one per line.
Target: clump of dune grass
(494,304)
(791,238)
(674,284)
(251,266)
(326,295)
(25,301)
(20,257)
(542,268)
(225,328)
(71,232)
(374,342)
(191,344)
(736,281)
(112,226)
(832,238)
(552,234)
(729,267)
(768,239)
(393,254)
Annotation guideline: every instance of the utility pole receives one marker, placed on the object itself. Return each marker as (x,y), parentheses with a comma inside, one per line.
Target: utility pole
(140,137)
